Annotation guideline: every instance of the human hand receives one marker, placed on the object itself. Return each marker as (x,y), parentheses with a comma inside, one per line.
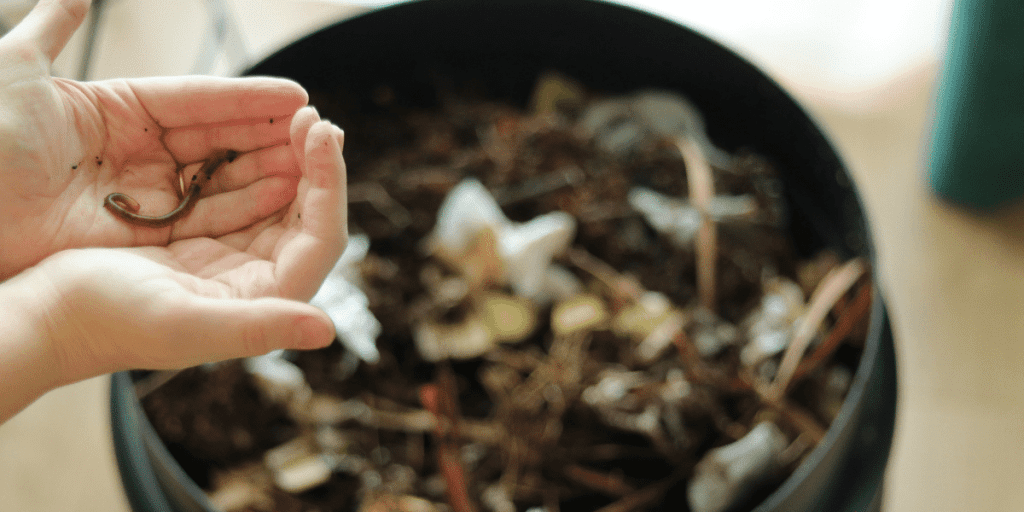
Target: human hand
(66,145)
(196,300)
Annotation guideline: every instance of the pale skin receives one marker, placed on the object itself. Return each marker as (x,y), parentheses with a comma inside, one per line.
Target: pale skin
(82,292)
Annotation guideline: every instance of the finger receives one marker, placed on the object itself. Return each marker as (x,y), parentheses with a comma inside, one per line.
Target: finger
(230,328)
(247,168)
(318,218)
(253,166)
(51,23)
(192,143)
(201,100)
(324,171)
(301,123)
(244,192)
(228,212)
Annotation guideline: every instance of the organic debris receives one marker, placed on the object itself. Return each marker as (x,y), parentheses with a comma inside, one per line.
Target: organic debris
(733,471)
(343,299)
(588,306)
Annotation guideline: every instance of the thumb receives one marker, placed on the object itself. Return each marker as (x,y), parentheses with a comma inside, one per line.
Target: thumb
(243,327)
(51,23)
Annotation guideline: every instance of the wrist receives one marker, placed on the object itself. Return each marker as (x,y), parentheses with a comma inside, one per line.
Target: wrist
(29,361)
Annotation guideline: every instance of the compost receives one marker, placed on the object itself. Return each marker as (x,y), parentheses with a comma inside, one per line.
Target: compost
(580,304)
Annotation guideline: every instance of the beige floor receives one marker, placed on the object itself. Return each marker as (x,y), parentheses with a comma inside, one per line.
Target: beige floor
(954,282)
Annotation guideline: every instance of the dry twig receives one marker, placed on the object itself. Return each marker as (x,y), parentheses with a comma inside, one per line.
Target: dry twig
(852,315)
(702,189)
(831,288)
(700,373)
(441,399)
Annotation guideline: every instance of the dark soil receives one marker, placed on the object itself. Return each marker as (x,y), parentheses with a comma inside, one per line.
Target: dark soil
(215,420)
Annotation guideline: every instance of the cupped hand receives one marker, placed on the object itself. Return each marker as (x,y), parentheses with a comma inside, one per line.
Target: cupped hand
(66,145)
(199,299)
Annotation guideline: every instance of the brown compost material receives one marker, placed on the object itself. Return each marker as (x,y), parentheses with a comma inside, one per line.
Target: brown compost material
(567,415)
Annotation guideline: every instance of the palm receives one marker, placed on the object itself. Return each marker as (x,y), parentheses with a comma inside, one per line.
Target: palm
(65,145)
(163,302)
(165,307)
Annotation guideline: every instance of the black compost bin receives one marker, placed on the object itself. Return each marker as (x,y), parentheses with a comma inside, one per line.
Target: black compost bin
(500,47)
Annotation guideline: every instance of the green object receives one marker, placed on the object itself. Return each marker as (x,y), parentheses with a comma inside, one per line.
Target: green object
(977,153)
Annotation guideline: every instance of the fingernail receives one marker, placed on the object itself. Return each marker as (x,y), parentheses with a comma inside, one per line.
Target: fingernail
(312,333)
(339,135)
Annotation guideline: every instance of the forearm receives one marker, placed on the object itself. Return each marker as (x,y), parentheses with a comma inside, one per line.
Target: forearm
(28,365)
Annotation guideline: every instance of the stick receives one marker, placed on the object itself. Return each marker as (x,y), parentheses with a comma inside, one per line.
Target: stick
(831,288)
(440,398)
(698,373)
(848,319)
(702,189)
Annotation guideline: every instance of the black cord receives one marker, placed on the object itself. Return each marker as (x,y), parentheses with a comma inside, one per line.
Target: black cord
(92,30)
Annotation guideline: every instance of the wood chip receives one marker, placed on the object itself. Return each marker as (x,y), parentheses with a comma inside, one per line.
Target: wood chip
(303,474)
(582,313)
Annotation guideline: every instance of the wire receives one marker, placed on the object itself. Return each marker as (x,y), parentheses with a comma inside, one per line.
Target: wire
(92,30)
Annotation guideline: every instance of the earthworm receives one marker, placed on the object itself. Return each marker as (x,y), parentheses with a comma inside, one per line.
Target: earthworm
(126,208)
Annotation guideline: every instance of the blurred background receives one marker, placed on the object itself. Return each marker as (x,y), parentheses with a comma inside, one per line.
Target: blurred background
(866,69)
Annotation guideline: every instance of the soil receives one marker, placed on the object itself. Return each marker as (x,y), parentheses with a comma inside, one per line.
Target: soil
(555,450)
